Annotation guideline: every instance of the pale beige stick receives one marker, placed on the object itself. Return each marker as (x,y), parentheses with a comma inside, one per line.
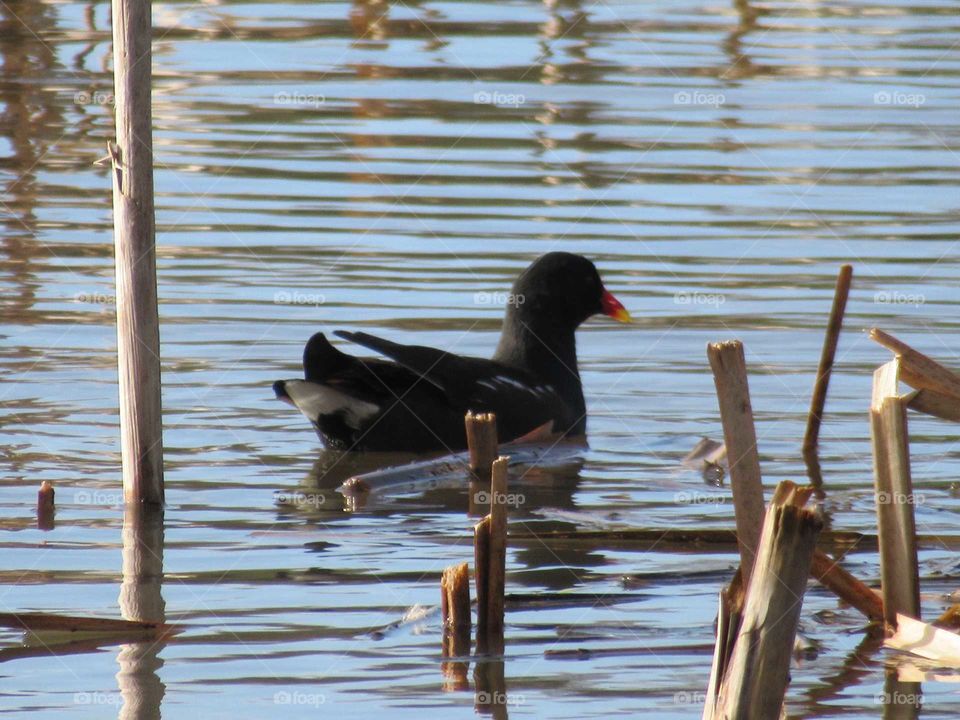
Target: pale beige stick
(937,388)
(756,678)
(893,487)
(138,324)
(916,369)
(931,402)
(733,393)
(728,625)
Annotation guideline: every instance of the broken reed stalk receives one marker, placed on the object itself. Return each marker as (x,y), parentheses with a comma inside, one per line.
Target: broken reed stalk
(893,487)
(490,558)
(481,442)
(937,387)
(481,571)
(846,587)
(754,681)
(455,609)
(729,616)
(496,580)
(733,393)
(825,368)
(45,506)
(138,324)
(916,369)
(47,622)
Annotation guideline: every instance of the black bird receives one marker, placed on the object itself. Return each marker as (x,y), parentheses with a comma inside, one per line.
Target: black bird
(416,400)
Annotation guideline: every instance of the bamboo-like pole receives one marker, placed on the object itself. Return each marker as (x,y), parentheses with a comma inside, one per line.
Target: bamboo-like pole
(729,615)
(893,486)
(825,368)
(733,393)
(755,680)
(138,326)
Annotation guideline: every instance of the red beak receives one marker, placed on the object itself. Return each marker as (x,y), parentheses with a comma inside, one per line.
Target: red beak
(613,307)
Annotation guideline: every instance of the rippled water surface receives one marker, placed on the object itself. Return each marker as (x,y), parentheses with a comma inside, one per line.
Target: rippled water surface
(391,167)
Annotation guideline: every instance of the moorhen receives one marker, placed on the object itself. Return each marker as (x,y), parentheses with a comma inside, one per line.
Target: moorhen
(416,400)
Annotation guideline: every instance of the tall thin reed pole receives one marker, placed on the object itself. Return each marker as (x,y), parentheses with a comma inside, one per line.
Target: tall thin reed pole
(138,325)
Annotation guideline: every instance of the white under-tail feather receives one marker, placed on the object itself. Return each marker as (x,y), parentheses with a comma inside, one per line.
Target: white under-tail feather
(314,400)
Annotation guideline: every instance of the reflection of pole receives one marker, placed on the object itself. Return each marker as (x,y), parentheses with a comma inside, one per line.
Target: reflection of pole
(138,326)
(490,689)
(141,599)
(901,700)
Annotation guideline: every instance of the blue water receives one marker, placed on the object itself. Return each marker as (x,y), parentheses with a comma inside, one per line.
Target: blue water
(387,167)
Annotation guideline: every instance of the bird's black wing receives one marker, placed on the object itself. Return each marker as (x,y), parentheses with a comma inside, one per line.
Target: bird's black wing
(520,402)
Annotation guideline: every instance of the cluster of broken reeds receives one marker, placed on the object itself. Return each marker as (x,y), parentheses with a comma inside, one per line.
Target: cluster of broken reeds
(759,611)
(778,544)
(490,556)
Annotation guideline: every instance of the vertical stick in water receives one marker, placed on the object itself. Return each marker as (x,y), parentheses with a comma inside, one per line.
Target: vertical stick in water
(893,485)
(496,580)
(758,671)
(138,331)
(819,399)
(481,571)
(733,394)
(481,442)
